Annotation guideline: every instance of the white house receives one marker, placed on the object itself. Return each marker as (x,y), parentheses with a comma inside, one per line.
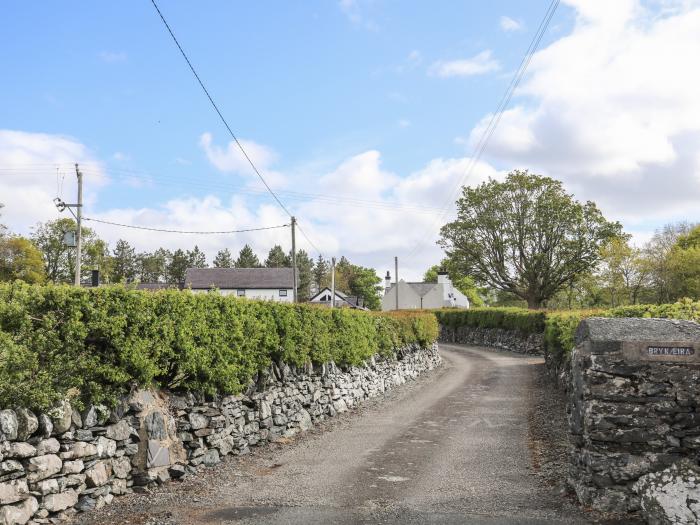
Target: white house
(341,300)
(414,296)
(275,284)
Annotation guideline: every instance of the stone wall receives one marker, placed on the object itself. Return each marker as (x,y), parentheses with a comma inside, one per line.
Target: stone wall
(634,411)
(512,340)
(54,465)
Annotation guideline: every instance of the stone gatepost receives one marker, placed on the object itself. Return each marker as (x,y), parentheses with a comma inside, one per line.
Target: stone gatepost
(634,405)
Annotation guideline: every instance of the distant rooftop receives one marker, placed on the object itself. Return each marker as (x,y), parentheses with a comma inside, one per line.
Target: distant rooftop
(238,278)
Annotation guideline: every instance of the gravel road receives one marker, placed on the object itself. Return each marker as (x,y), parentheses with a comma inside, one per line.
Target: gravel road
(455,446)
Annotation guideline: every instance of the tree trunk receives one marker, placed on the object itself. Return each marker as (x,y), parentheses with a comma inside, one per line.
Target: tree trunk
(533,303)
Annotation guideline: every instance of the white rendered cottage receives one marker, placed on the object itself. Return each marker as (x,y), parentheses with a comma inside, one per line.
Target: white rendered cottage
(275,284)
(416,296)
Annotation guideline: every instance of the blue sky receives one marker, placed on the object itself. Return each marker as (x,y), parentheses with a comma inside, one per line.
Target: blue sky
(367,100)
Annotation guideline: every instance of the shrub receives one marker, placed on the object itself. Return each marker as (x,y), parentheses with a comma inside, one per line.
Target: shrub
(559,327)
(521,319)
(94,344)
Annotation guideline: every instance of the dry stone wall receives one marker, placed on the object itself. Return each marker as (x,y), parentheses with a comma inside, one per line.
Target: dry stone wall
(512,340)
(635,412)
(54,465)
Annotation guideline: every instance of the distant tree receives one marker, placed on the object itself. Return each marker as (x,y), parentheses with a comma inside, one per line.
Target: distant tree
(177,266)
(276,258)
(321,273)
(123,262)
(3,228)
(152,267)
(623,271)
(305,268)
(247,258)
(20,259)
(657,254)
(223,259)
(525,236)
(97,257)
(365,283)
(684,263)
(59,259)
(196,258)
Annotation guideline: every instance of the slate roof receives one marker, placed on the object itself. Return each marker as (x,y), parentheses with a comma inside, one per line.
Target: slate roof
(422,288)
(157,286)
(238,278)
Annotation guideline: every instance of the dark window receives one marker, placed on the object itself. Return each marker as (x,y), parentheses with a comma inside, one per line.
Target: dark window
(240,293)
(283,293)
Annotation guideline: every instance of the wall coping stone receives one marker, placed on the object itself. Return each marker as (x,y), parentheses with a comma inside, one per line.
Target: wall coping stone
(641,339)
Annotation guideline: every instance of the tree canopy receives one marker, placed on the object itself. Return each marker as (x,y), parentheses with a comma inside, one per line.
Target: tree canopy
(525,236)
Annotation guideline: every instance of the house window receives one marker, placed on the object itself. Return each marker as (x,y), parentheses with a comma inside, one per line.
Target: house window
(240,293)
(283,293)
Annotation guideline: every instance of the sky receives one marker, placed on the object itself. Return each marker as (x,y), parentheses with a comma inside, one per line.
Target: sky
(362,115)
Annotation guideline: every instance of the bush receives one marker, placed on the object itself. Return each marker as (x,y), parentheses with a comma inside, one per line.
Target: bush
(94,344)
(558,327)
(521,319)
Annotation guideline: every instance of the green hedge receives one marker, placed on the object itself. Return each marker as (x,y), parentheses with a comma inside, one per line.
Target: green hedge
(526,321)
(559,327)
(93,344)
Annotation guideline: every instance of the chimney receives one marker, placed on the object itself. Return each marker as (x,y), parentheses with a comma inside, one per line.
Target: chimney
(443,278)
(387,282)
(95,278)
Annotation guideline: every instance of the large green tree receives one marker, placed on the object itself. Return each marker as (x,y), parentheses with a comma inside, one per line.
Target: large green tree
(525,236)
(276,258)
(177,266)
(124,262)
(684,263)
(152,267)
(247,258)
(321,273)
(305,268)
(223,259)
(196,258)
(20,259)
(59,259)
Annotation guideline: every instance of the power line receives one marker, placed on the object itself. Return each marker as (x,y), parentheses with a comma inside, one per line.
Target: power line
(331,198)
(183,231)
(308,239)
(216,108)
(496,116)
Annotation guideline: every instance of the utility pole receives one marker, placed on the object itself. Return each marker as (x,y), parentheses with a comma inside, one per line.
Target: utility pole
(396,276)
(294,259)
(332,282)
(79,241)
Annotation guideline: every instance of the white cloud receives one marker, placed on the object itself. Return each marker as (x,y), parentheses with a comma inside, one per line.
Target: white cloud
(29,179)
(476,65)
(613,110)
(112,56)
(121,157)
(411,62)
(357,209)
(230,159)
(509,24)
(354,13)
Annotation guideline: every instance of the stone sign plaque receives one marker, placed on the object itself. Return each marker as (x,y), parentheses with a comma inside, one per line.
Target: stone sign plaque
(664,351)
(659,351)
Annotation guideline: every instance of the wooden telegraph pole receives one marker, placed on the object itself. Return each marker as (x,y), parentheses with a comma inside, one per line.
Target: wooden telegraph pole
(294,259)
(79,235)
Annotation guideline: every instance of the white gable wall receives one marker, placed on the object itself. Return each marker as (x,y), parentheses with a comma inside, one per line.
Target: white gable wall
(265,294)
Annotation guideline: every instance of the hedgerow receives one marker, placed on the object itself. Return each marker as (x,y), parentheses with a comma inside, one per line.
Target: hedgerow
(94,344)
(521,319)
(559,327)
